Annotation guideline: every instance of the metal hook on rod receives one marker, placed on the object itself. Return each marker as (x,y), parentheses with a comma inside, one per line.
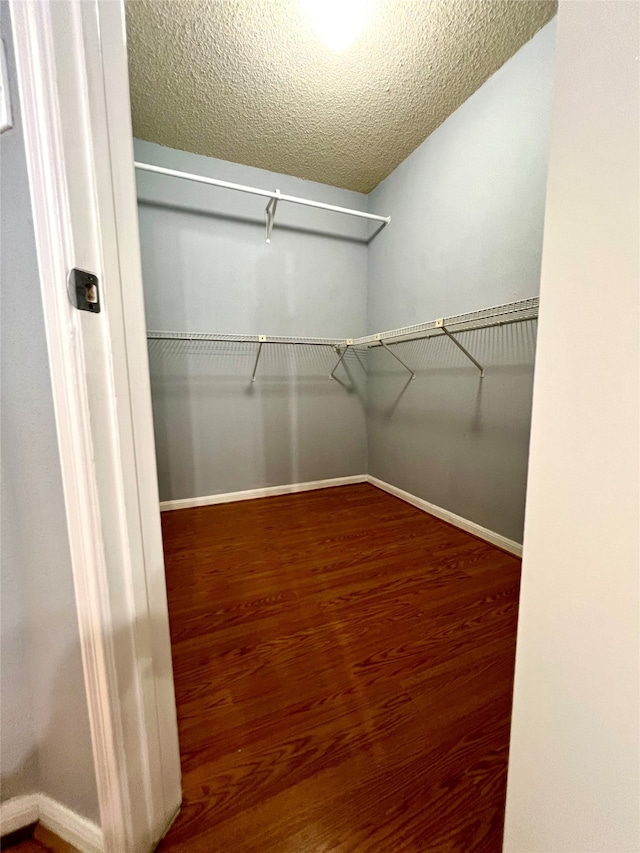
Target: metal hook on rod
(440,325)
(262,339)
(397,358)
(270,215)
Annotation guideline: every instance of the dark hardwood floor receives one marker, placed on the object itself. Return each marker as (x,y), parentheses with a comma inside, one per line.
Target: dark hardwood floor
(40,840)
(343,670)
(26,846)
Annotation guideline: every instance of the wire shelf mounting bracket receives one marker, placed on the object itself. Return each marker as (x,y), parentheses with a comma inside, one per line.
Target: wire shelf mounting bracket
(440,325)
(342,354)
(270,214)
(397,358)
(261,339)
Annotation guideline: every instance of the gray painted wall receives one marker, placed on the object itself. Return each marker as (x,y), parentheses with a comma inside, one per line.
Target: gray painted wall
(45,739)
(467,212)
(207,268)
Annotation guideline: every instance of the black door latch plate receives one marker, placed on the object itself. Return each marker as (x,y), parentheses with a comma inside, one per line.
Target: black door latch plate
(83,291)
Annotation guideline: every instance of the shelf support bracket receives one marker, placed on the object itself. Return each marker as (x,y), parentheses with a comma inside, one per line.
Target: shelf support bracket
(440,325)
(342,355)
(262,339)
(397,358)
(270,215)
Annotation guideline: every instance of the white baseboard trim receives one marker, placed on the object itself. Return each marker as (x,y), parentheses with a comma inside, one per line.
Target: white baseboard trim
(76,830)
(81,833)
(268,492)
(19,812)
(464,524)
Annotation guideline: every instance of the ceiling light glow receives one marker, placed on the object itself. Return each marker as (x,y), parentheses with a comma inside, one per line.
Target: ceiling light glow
(337,22)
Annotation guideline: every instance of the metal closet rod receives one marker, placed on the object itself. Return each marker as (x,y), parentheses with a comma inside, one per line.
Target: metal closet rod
(274,195)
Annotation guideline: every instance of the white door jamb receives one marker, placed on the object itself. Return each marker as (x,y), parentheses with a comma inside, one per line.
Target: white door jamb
(72,75)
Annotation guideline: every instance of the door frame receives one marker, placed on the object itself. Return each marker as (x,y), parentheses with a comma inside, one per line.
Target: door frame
(74,92)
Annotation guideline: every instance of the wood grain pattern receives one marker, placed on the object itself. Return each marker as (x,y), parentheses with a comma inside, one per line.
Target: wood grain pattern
(42,841)
(51,842)
(26,846)
(343,670)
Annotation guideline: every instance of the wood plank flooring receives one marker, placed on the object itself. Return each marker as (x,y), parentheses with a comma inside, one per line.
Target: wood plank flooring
(343,668)
(26,846)
(42,841)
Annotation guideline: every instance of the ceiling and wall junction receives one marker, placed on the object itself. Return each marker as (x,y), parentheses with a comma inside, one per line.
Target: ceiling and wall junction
(251,81)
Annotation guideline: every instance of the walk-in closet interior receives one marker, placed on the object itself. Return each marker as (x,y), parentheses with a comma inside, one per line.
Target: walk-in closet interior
(341,211)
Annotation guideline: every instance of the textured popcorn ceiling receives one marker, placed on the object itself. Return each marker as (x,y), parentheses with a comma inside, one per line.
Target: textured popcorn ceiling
(251,82)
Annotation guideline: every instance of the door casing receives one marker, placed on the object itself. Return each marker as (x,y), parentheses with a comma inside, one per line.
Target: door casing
(73,82)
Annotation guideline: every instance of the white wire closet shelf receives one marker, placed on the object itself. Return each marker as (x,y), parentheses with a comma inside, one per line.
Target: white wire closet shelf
(274,197)
(261,340)
(498,315)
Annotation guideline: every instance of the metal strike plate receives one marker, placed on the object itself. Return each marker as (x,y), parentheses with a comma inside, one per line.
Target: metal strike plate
(84,291)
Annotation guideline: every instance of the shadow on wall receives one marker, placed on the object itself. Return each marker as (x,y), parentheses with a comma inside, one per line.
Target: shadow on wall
(172,243)
(19,772)
(293,424)
(450,437)
(505,351)
(58,740)
(53,762)
(259,224)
